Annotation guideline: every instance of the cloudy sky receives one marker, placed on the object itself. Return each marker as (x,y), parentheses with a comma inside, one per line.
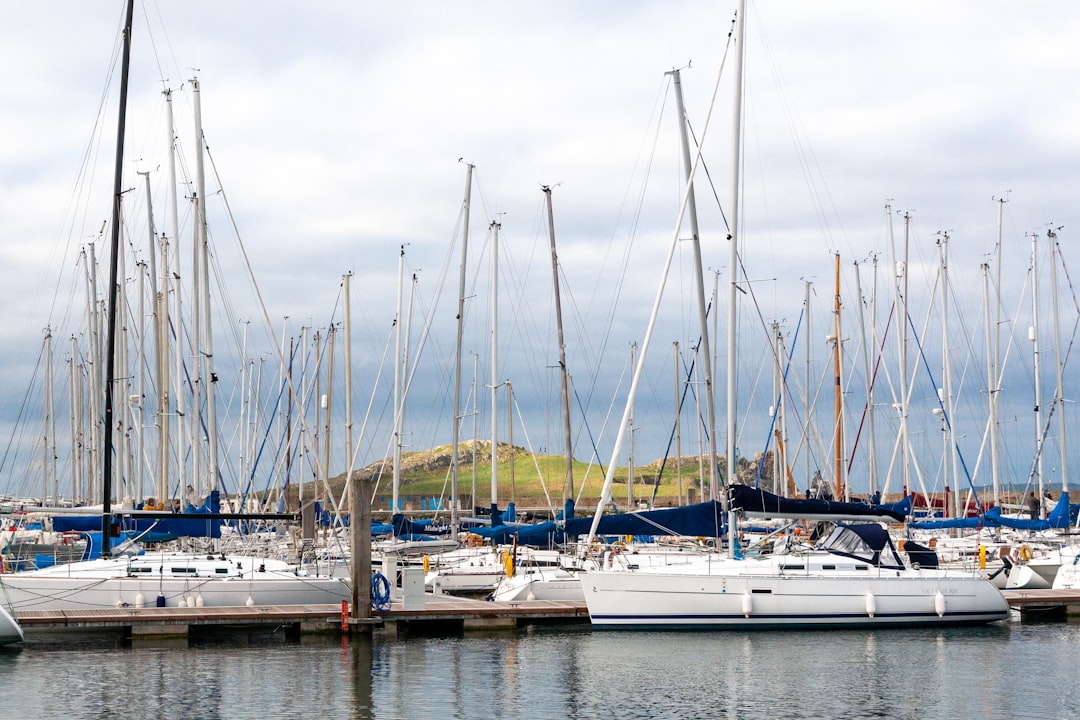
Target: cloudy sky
(340,131)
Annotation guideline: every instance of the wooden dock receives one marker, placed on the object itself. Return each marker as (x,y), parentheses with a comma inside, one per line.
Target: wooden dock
(1049,604)
(437,613)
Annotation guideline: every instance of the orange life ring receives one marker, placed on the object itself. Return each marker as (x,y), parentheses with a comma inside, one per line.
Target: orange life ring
(1025,552)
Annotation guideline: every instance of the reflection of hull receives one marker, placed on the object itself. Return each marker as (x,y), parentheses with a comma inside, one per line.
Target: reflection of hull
(768,593)
(170,580)
(10,631)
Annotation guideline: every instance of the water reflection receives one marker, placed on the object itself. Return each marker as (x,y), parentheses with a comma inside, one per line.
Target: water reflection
(1008,670)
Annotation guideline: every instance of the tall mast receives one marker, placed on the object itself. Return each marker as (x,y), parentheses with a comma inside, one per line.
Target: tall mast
(457,354)
(950,458)
(902,338)
(206,341)
(178,323)
(1059,398)
(838,392)
(398,377)
(699,279)
(994,355)
(733,247)
(1033,335)
(110,355)
(347,301)
(49,492)
(991,380)
(567,439)
(495,226)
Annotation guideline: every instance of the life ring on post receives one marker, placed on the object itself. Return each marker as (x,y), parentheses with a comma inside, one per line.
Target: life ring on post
(1025,552)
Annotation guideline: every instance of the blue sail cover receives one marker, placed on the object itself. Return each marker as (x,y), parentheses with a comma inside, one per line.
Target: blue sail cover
(539,535)
(704,519)
(403,527)
(758,502)
(152,530)
(1057,519)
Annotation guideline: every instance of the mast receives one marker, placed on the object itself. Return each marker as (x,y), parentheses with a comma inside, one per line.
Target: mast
(733,248)
(398,372)
(457,354)
(699,280)
(48,447)
(991,373)
(567,438)
(110,355)
(206,340)
(902,338)
(950,458)
(1058,366)
(178,345)
(1033,335)
(349,488)
(838,392)
(495,226)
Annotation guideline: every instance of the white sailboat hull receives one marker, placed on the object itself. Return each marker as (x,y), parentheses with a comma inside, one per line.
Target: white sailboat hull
(758,594)
(168,581)
(540,584)
(10,630)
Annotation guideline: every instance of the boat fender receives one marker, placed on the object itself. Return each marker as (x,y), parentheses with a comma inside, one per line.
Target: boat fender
(939,604)
(871,604)
(1025,552)
(747,604)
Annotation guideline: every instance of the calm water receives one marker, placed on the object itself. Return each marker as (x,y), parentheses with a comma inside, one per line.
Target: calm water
(1004,671)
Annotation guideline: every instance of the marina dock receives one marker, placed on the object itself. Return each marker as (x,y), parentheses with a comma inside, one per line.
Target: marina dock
(439,613)
(1043,604)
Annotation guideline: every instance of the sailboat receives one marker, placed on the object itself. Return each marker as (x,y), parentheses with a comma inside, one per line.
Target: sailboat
(10,630)
(162,579)
(855,578)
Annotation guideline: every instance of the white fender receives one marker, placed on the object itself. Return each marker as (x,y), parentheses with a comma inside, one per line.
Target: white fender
(747,603)
(871,604)
(939,604)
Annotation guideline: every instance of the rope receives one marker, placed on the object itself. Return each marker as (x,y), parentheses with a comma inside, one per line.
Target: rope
(380,592)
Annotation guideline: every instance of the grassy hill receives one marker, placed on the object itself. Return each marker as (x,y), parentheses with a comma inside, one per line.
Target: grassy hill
(525,479)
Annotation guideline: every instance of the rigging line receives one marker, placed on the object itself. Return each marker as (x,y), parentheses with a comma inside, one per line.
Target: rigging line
(783,384)
(945,415)
(532,454)
(595,459)
(1076,303)
(23,409)
(873,383)
(592,444)
(282,388)
(671,438)
(711,184)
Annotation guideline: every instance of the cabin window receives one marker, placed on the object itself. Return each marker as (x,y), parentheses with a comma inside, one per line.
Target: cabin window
(761,591)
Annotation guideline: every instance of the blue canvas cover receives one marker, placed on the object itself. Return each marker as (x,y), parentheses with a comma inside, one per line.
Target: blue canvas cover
(758,502)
